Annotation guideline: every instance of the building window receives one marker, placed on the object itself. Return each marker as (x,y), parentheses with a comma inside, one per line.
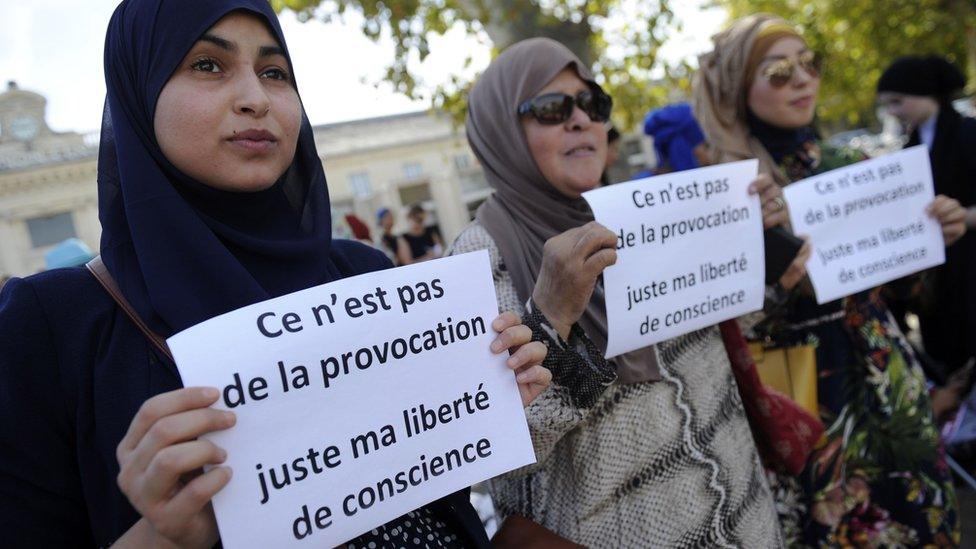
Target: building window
(413,194)
(359,184)
(473,182)
(412,170)
(48,230)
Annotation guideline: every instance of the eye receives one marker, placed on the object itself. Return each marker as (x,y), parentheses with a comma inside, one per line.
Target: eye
(206,64)
(779,69)
(275,74)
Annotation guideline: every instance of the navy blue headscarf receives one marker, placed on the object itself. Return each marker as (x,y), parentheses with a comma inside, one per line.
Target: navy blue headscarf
(183,252)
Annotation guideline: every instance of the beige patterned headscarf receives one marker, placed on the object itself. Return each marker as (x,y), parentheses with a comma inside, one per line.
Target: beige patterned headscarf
(720,89)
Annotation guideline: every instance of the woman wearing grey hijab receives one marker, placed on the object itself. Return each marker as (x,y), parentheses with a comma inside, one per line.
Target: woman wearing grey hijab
(653,448)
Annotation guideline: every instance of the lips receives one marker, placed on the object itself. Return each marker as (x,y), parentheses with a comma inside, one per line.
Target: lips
(254,140)
(581,150)
(802,102)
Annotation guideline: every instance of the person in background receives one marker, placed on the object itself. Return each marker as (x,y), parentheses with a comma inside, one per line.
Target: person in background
(652,448)
(918,91)
(613,153)
(69,253)
(424,243)
(392,245)
(678,141)
(879,480)
(212,197)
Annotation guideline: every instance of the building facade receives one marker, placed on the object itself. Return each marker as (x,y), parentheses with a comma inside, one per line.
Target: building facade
(48,189)
(395,161)
(47,184)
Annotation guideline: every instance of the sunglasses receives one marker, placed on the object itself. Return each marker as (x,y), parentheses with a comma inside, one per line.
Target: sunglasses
(779,73)
(556,108)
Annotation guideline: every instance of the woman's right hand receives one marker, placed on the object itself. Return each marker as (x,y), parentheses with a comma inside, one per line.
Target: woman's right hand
(571,263)
(160,461)
(797,269)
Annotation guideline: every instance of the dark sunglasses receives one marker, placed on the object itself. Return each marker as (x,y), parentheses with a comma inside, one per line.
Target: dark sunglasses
(556,108)
(780,73)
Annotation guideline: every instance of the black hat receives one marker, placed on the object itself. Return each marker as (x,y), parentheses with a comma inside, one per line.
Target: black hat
(930,75)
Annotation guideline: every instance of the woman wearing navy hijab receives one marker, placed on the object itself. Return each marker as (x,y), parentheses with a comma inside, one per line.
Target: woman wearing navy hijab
(211,197)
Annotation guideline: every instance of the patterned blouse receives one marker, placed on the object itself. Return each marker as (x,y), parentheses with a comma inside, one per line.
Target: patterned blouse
(654,464)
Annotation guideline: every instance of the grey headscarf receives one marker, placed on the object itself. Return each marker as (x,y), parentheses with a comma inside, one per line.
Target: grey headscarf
(526,210)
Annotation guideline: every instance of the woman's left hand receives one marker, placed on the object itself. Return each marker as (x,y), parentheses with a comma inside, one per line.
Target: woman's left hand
(951,215)
(526,355)
(771,197)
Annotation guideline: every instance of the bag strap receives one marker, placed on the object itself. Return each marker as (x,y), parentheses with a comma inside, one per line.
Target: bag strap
(98,269)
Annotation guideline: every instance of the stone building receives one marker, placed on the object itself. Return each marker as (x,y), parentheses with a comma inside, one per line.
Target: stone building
(48,189)
(395,161)
(47,184)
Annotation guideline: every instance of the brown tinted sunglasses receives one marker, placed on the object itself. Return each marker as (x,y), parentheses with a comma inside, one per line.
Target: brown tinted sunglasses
(780,72)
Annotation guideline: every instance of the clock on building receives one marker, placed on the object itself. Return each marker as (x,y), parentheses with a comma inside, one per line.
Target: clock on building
(23,128)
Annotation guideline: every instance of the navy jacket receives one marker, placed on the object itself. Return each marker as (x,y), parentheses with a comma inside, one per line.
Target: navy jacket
(74,370)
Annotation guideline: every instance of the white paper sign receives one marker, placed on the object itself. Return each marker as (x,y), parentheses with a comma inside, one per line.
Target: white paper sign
(357,401)
(689,253)
(867,222)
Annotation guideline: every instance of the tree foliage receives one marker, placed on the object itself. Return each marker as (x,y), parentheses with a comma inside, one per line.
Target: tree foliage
(859,39)
(622,54)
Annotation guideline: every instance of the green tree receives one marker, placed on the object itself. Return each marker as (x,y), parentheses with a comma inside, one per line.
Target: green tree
(582,25)
(860,38)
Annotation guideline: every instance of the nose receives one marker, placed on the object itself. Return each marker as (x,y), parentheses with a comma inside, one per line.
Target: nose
(579,120)
(252,99)
(801,77)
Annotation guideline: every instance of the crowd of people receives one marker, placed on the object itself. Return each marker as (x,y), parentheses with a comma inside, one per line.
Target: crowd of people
(213,197)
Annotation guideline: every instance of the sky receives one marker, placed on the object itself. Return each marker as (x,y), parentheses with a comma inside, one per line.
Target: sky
(54,47)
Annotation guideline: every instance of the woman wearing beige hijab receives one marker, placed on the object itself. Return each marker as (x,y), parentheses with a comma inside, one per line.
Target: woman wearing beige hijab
(879,480)
(652,449)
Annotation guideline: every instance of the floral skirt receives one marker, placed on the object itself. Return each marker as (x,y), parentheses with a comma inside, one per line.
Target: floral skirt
(879,478)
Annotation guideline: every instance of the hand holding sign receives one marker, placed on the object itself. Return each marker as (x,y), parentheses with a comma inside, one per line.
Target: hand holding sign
(950,215)
(771,198)
(527,355)
(571,264)
(158,458)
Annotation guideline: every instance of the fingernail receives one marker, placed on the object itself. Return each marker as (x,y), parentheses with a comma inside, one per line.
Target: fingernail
(521,377)
(512,362)
(210,392)
(496,346)
(222,454)
(230,418)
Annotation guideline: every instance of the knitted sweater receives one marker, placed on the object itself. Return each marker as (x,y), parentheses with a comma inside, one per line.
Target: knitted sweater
(653,464)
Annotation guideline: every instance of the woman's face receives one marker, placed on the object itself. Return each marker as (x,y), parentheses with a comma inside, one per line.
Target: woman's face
(418,218)
(571,155)
(910,110)
(229,116)
(791,106)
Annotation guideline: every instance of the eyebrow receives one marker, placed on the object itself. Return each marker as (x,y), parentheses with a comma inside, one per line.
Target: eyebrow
(224,44)
(219,42)
(778,57)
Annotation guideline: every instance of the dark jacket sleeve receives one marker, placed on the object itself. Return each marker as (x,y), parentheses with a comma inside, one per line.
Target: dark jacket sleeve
(41,503)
